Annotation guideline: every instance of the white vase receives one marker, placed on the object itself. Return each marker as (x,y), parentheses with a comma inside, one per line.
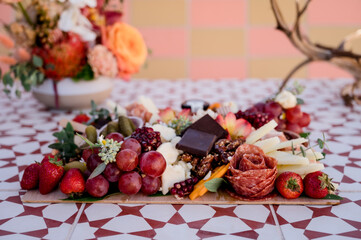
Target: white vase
(74,95)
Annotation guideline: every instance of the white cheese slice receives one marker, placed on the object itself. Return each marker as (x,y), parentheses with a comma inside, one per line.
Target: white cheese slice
(301,169)
(267,144)
(294,142)
(262,131)
(286,158)
(172,175)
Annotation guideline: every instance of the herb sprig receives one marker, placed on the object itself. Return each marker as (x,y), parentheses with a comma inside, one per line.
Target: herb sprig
(65,145)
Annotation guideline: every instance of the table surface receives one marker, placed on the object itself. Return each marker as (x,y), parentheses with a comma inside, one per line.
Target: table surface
(26,128)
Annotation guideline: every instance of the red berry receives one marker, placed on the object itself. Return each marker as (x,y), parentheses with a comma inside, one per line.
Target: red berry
(49,175)
(81,118)
(293,115)
(73,182)
(30,179)
(289,185)
(317,184)
(304,120)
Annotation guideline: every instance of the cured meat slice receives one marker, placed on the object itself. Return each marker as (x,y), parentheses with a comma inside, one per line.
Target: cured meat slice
(252,173)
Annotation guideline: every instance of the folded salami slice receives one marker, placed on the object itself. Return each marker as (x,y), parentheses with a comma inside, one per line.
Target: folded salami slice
(252,174)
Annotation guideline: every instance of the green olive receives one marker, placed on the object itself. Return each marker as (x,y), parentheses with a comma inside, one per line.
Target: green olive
(91,133)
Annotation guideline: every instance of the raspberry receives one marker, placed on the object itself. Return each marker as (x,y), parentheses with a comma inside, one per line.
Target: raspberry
(148,138)
(255,118)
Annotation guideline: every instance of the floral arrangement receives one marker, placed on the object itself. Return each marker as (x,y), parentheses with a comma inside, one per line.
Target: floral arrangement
(78,39)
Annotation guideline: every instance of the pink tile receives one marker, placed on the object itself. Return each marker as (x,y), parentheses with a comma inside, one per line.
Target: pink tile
(165,42)
(213,13)
(334,12)
(210,68)
(323,69)
(269,41)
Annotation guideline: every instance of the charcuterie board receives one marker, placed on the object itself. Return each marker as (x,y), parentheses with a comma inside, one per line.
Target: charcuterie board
(218,198)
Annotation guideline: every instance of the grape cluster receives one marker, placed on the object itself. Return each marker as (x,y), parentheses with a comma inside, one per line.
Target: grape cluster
(183,188)
(148,138)
(255,118)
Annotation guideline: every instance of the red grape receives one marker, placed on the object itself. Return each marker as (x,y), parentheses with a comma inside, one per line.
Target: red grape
(304,120)
(87,152)
(281,125)
(115,136)
(132,144)
(112,172)
(127,160)
(130,183)
(293,127)
(260,106)
(293,115)
(152,163)
(273,108)
(97,186)
(93,161)
(150,185)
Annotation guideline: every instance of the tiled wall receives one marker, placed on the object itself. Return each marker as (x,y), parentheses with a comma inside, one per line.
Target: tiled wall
(235,38)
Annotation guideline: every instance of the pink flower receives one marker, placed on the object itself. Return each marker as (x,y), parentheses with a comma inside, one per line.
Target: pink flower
(102,61)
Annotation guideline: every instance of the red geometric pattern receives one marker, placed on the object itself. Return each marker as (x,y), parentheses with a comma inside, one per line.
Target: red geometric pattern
(26,129)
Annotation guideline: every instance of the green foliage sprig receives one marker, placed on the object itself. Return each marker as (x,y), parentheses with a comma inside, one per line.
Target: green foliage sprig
(65,145)
(27,72)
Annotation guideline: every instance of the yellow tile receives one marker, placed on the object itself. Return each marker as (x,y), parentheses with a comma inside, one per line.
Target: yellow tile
(163,68)
(333,36)
(260,11)
(274,67)
(158,13)
(217,42)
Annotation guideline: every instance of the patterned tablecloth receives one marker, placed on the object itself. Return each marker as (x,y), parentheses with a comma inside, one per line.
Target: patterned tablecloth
(26,128)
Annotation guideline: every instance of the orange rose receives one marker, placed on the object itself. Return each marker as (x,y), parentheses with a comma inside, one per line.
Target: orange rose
(127,45)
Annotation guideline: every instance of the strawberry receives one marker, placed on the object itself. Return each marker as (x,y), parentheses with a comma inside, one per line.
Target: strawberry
(30,178)
(49,176)
(317,184)
(289,185)
(65,58)
(81,118)
(73,183)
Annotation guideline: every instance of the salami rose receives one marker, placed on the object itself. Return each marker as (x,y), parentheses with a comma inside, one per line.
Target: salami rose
(252,174)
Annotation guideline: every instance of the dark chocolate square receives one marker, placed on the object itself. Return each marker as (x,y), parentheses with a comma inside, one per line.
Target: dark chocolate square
(196,142)
(209,125)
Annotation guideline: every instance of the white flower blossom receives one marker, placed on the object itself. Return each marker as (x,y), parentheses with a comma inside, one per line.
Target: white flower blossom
(71,20)
(286,99)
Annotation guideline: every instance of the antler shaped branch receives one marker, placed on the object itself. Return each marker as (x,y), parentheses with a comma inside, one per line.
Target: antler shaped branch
(346,60)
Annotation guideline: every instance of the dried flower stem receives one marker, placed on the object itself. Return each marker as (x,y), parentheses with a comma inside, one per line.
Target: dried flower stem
(26,15)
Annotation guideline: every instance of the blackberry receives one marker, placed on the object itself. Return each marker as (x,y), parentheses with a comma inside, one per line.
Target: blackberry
(255,118)
(148,138)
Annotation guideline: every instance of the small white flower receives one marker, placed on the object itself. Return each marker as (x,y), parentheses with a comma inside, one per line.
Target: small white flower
(71,20)
(286,99)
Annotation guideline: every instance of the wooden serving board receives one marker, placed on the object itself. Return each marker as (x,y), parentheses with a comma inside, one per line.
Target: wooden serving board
(34,196)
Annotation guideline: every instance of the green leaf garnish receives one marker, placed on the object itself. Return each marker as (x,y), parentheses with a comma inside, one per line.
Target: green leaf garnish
(213,184)
(65,145)
(37,61)
(305,134)
(300,101)
(98,170)
(333,197)
(86,73)
(320,143)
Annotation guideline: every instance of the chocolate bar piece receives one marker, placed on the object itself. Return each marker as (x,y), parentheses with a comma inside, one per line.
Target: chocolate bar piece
(209,125)
(196,142)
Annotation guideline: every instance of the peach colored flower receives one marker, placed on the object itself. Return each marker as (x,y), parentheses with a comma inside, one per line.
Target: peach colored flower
(102,61)
(6,41)
(22,54)
(128,46)
(8,60)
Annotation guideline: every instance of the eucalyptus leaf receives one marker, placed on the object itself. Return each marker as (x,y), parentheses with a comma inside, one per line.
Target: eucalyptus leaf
(18,93)
(8,80)
(98,170)
(37,61)
(300,101)
(213,184)
(92,145)
(320,143)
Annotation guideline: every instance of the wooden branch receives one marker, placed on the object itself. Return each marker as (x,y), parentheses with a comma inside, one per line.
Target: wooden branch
(288,77)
